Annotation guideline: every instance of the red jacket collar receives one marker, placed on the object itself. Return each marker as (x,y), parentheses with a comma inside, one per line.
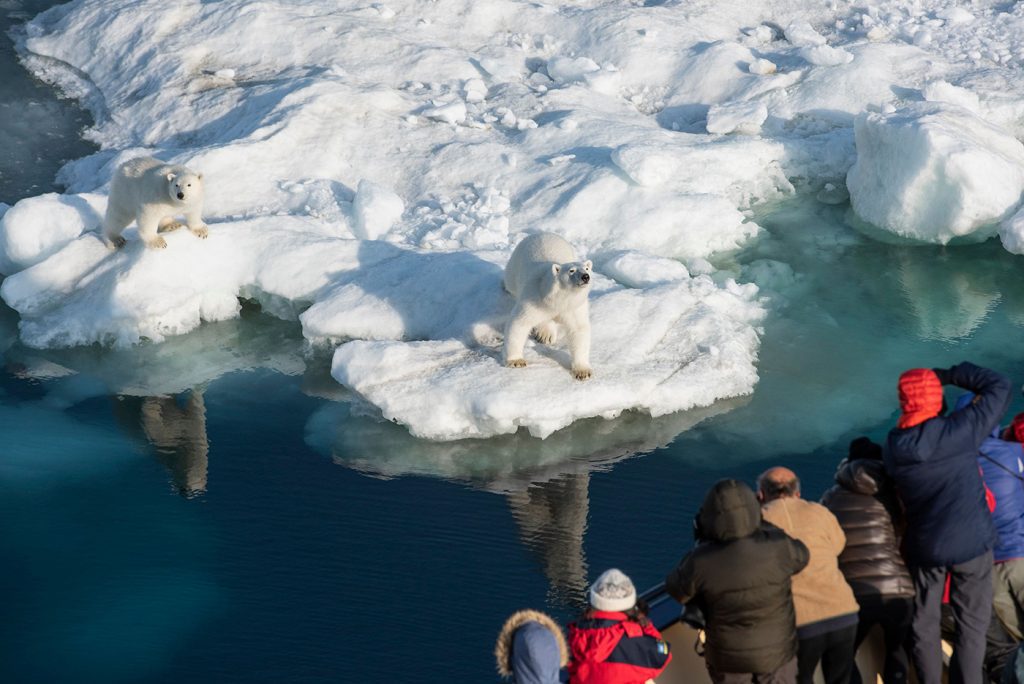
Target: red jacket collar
(609,615)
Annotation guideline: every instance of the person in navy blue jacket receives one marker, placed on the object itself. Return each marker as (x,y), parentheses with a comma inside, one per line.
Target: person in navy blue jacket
(933,460)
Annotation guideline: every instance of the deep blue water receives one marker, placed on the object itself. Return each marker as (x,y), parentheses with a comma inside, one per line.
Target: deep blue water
(246,521)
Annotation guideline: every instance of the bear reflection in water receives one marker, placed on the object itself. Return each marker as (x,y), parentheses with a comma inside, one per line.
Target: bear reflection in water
(176,427)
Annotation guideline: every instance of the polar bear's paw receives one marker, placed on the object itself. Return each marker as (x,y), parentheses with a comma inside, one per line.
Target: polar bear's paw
(516,363)
(545,334)
(170,225)
(581,372)
(200,231)
(115,242)
(156,243)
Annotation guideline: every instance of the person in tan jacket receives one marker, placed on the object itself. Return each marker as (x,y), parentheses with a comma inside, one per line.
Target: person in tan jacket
(826,610)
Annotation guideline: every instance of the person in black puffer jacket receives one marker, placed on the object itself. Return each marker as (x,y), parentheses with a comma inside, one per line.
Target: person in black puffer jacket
(739,575)
(864,502)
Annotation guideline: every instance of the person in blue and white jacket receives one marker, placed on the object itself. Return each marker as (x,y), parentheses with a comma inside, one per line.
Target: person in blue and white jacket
(1001,457)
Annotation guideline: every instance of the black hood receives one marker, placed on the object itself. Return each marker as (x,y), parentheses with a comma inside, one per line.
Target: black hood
(730,511)
(863,476)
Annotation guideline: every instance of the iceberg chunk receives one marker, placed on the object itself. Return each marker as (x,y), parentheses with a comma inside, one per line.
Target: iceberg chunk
(675,346)
(933,171)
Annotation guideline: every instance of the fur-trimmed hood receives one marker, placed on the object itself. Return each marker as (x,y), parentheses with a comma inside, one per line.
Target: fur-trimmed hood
(503,648)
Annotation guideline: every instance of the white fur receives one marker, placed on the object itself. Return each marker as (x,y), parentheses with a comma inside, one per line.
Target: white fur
(146,190)
(550,286)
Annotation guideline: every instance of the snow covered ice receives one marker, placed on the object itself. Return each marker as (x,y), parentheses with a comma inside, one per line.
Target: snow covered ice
(369,176)
(934,172)
(652,348)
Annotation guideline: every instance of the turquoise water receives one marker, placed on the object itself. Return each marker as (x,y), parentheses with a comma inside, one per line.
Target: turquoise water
(217,508)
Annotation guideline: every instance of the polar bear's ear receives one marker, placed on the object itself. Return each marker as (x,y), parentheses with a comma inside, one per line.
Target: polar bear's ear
(199,175)
(587,265)
(171,177)
(555,268)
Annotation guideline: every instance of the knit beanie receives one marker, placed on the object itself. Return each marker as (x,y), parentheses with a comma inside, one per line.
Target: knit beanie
(920,397)
(613,592)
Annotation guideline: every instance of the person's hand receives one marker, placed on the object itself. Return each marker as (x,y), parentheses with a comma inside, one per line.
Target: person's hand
(943,375)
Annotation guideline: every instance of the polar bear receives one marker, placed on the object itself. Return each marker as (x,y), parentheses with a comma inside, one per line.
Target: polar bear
(151,193)
(550,286)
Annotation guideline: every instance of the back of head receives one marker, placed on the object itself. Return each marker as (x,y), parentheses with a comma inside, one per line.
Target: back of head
(864,448)
(535,655)
(920,394)
(777,483)
(862,471)
(613,591)
(730,511)
(531,648)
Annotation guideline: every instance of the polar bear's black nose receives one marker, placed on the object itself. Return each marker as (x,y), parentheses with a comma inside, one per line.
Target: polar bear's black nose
(181,195)
(585,278)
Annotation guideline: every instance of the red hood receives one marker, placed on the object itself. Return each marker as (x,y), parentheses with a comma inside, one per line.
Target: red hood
(920,397)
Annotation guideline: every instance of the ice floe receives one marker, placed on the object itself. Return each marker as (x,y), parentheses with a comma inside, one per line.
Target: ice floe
(369,176)
(934,172)
(660,349)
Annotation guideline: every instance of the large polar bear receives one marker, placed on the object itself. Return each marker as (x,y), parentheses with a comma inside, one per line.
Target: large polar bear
(550,286)
(151,193)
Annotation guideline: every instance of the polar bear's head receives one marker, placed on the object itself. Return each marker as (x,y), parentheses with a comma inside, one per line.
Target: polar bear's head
(572,275)
(184,186)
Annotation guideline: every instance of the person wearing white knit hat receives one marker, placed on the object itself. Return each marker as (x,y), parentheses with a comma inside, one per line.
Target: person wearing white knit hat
(614,641)
(613,591)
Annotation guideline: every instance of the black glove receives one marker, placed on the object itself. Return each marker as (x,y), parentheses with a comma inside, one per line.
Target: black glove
(693,616)
(943,375)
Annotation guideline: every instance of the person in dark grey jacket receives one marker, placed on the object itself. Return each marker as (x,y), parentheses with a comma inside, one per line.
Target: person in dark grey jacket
(865,503)
(739,575)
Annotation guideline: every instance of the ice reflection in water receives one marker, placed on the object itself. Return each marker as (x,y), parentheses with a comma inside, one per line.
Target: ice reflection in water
(847,314)
(949,297)
(545,482)
(157,392)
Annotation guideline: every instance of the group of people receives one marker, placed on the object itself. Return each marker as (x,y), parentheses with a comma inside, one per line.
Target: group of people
(613,642)
(923,537)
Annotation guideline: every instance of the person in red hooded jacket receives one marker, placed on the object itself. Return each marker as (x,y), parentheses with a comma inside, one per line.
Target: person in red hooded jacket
(932,458)
(614,642)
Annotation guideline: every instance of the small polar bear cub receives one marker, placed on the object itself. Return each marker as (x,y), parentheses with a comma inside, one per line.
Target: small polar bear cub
(151,193)
(550,286)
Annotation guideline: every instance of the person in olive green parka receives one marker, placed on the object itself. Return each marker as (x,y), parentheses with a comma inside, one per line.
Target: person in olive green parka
(739,575)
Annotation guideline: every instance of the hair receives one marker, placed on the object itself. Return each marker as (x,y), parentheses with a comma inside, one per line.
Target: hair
(863,447)
(638,613)
(775,489)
